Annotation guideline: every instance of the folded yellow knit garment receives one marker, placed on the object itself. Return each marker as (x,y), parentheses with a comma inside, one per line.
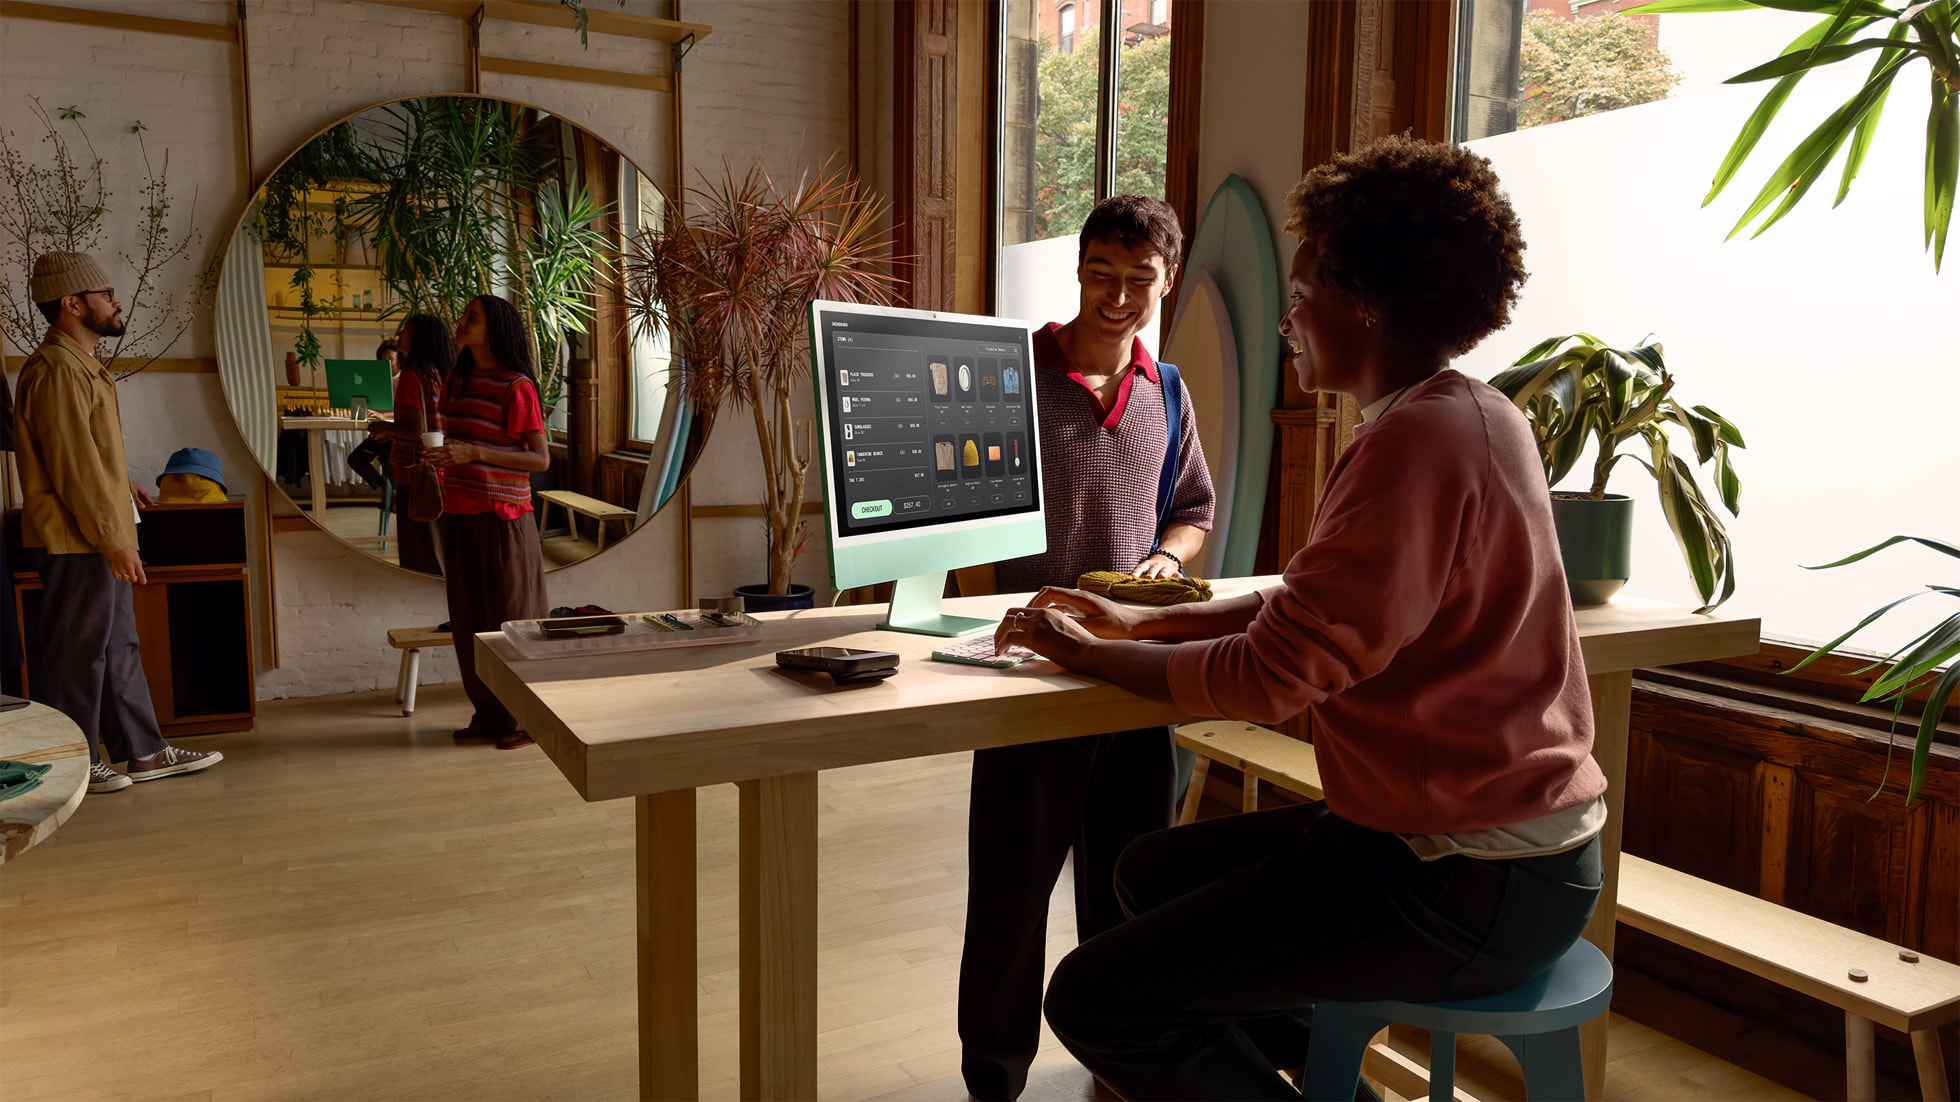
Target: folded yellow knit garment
(1149,591)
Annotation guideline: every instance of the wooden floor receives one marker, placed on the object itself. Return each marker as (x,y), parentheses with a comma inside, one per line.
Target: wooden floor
(351,907)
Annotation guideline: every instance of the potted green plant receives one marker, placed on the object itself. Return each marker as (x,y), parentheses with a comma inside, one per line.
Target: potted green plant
(1576,390)
(729,286)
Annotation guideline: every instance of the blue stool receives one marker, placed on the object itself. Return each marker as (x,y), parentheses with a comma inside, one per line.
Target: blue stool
(1538,1021)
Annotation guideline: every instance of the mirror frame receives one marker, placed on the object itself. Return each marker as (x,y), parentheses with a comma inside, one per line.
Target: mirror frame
(682,440)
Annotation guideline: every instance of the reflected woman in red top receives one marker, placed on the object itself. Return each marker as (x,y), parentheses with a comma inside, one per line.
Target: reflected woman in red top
(1425,623)
(425,355)
(493,437)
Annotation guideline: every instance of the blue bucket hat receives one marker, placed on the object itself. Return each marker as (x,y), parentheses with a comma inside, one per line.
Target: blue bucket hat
(194,461)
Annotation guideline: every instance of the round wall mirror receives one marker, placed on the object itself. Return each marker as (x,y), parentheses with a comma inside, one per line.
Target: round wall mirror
(414,208)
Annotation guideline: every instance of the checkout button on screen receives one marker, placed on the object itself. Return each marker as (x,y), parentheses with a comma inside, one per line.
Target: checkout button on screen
(865,510)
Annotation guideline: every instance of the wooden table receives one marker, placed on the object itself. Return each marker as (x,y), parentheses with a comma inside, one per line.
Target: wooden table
(316,451)
(37,734)
(656,725)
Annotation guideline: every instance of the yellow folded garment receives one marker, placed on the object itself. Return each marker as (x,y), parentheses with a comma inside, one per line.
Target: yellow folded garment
(971,454)
(1148,591)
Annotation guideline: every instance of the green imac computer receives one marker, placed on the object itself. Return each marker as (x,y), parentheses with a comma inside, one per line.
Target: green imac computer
(368,380)
(930,456)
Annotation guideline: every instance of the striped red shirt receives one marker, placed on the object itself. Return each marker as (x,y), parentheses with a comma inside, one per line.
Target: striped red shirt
(1100,468)
(495,410)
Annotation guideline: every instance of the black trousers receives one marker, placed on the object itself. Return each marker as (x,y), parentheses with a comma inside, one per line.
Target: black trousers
(494,571)
(85,663)
(1242,923)
(1030,806)
(369,461)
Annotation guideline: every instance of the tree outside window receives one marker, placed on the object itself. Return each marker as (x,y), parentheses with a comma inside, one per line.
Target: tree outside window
(1571,68)
(1059,150)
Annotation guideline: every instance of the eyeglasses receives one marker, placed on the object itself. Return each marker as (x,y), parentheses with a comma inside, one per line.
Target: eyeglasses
(111,292)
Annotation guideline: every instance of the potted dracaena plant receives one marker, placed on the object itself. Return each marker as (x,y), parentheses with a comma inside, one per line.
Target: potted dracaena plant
(1576,390)
(1892,40)
(730,285)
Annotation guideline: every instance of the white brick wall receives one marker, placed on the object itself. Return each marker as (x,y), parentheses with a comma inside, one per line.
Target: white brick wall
(762,85)
(769,82)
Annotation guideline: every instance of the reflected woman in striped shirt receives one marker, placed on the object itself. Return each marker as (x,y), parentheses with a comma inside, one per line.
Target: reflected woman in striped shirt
(493,426)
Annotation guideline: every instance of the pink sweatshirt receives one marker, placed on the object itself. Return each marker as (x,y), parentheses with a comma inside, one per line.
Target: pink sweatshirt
(1427,624)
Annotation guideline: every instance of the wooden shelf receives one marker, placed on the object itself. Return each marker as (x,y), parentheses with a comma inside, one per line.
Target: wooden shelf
(541,14)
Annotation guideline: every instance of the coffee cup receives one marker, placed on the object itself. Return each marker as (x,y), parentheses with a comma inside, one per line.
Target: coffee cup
(432,440)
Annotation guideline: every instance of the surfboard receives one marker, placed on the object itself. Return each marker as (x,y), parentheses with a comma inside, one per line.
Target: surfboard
(1235,243)
(1207,358)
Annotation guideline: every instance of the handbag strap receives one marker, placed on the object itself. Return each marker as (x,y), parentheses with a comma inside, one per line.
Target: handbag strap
(431,415)
(1173,451)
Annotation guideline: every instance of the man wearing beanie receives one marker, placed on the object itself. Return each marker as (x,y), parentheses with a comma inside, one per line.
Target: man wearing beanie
(80,509)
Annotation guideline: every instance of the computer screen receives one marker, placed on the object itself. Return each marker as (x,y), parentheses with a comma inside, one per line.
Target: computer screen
(930,456)
(368,379)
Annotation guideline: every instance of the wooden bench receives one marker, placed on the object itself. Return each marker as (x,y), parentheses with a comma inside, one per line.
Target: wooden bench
(1807,955)
(1262,754)
(1786,947)
(410,642)
(600,511)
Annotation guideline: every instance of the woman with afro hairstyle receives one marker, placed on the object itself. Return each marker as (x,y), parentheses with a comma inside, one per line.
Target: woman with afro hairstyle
(1427,625)
(493,437)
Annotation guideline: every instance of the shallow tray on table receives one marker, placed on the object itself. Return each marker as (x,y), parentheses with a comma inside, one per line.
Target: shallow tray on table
(528,637)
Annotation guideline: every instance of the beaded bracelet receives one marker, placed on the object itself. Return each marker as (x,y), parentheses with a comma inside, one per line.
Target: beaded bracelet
(1173,558)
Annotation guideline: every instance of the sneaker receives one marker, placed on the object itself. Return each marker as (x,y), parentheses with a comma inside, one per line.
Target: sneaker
(102,778)
(170,761)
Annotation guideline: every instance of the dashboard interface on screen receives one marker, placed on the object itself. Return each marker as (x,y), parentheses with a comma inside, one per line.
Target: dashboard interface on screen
(928,419)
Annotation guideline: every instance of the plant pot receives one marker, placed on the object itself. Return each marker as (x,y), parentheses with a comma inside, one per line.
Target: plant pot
(1595,539)
(757,598)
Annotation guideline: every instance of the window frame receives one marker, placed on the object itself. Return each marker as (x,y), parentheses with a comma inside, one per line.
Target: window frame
(1181,145)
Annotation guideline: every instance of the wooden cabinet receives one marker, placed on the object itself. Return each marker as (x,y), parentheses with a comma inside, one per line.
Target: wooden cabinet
(1772,788)
(193,619)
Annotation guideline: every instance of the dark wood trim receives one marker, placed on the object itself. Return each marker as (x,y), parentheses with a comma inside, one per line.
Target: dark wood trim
(904,103)
(1424,60)
(990,89)
(925,151)
(1330,81)
(1186,120)
(596,386)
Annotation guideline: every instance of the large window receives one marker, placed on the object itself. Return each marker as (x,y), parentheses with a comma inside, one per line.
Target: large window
(1076,127)
(1828,340)
(648,355)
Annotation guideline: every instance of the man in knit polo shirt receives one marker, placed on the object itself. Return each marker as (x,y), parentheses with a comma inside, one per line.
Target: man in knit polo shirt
(79,507)
(1104,438)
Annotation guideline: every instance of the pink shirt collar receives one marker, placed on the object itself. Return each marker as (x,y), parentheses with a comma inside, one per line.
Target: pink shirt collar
(1048,353)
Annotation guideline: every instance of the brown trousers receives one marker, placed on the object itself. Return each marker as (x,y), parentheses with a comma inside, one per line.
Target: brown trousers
(417,545)
(494,569)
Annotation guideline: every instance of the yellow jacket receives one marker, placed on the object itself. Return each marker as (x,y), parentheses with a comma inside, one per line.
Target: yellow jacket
(69,446)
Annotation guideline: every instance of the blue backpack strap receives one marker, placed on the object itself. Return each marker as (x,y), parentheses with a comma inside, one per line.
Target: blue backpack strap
(1174,418)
